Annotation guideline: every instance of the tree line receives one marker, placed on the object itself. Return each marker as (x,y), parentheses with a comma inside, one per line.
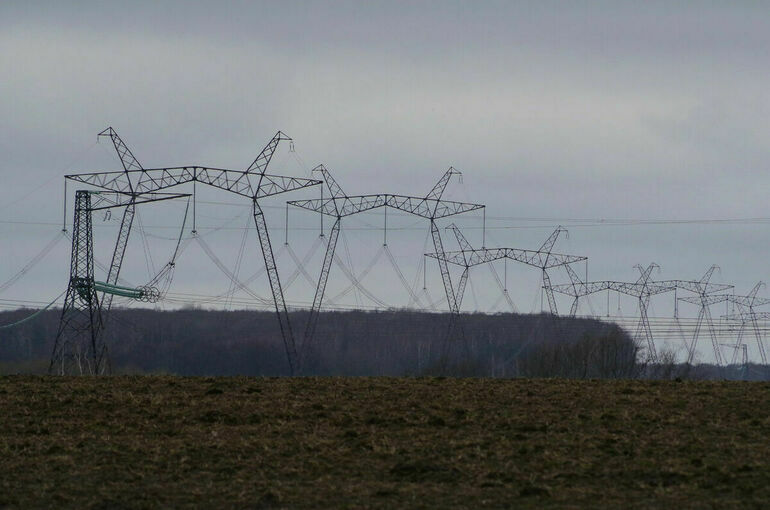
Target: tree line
(347,343)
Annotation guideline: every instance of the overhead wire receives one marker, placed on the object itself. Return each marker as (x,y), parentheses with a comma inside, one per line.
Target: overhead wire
(238,261)
(404,283)
(299,268)
(356,293)
(33,262)
(217,262)
(414,298)
(300,265)
(363,274)
(357,283)
(35,314)
(421,270)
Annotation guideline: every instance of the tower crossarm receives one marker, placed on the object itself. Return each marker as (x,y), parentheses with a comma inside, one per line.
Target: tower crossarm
(696,286)
(710,288)
(528,257)
(746,317)
(253,183)
(432,206)
(105,200)
(452,257)
(706,300)
(413,205)
(250,179)
(630,289)
(581,289)
(233,181)
(748,301)
(111,181)
(640,290)
(346,206)
(540,259)
(428,207)
(276,184)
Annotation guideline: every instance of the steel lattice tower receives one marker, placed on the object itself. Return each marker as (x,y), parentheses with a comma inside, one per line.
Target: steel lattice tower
(78,347)
(431,206)
(135,182)
(468,257)
(543,259)
(746,316)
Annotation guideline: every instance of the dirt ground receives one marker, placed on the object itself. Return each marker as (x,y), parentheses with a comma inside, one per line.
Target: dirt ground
(139,442)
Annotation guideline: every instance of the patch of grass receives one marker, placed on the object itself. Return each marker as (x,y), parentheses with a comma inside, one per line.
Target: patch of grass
(159,441)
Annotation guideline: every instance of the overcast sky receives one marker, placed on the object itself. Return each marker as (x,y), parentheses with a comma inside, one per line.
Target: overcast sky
(557,110)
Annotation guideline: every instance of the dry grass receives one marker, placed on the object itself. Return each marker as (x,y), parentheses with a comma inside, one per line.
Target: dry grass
(382,443)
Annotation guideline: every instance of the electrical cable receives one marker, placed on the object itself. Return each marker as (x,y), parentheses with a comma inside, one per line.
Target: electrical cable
(33,262)
(355,281)
(402,279)
(361,275)
(238,260)
(30,317)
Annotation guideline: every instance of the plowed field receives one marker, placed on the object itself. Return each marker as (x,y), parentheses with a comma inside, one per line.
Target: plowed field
(139,442)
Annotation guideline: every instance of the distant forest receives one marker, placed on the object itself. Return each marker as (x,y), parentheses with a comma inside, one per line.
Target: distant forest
(354,343)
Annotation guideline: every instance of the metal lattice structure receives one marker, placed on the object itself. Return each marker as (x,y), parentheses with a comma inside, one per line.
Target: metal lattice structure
(338,205)
(432,207)
(747,316)
(642,289)
(542,258)
(79,348)
(577,288)
(468,257)
(702,289)
(254,183)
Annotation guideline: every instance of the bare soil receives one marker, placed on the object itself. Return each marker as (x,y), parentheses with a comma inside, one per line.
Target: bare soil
(147,442)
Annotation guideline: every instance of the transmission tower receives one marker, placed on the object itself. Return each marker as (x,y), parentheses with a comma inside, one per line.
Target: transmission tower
(433,207)
(642,289)
(468,257)
(747,316)
(79,347)
(253,183)
(543,258)
(702,289)
(339,205)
